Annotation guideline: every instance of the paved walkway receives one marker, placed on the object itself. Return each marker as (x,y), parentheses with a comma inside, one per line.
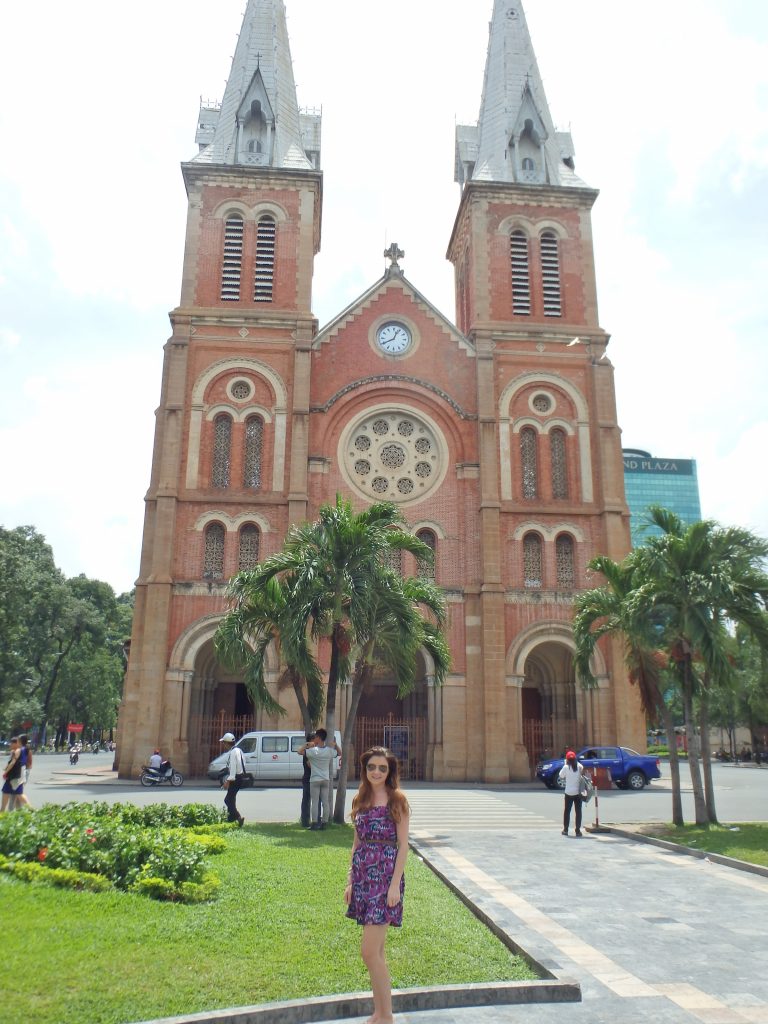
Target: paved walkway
(651,935)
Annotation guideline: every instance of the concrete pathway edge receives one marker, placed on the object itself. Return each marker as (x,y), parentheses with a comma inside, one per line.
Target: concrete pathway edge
(404,1000)
(664,844)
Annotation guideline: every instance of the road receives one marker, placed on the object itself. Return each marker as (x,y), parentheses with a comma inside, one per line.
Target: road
(741,795)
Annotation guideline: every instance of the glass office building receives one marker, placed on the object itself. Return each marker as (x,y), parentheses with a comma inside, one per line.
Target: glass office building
(653,481)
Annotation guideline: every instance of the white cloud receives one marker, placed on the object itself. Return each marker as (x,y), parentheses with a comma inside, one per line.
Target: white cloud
(9,339)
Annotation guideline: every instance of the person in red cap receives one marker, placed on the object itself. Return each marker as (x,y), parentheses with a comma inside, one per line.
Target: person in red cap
(571,774)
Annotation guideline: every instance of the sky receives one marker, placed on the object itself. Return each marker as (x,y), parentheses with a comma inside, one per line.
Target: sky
(668,105)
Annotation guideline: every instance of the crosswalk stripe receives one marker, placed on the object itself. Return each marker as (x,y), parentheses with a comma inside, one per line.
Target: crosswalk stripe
(433,811)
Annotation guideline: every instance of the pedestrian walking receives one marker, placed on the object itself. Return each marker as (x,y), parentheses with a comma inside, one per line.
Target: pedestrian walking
(13,776)
(572,774)
(376,884)
(234,778)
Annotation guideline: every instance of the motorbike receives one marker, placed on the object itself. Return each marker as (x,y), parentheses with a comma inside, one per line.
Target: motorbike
(74,757)
(157,776)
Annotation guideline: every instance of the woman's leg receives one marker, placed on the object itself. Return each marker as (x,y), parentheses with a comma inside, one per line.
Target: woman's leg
(578,801)
(567,812)
(372,950)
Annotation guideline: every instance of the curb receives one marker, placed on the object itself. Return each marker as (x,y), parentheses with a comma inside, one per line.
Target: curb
(664,844)
(404,1000)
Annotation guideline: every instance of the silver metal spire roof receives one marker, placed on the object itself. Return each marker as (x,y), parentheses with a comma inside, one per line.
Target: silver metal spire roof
(259,122)
(515,139)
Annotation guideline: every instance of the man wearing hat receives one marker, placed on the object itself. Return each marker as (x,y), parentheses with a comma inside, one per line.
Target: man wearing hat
(235,767)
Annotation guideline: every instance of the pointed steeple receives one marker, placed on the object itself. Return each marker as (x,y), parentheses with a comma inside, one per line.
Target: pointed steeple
(515,139)
(259,123)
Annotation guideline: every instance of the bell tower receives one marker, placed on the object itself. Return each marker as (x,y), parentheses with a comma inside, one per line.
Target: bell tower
(232,425)
(552,491)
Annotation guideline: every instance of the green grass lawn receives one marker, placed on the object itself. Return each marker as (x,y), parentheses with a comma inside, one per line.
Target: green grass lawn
(277,931)
(743,841)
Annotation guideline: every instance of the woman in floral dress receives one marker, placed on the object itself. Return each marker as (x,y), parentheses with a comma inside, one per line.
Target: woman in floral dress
(375,884)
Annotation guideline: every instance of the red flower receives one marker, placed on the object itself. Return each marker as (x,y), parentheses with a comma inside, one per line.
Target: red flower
(42,853)
(89,831)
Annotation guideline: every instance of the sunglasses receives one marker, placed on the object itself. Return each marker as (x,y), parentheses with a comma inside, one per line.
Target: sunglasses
(377,767)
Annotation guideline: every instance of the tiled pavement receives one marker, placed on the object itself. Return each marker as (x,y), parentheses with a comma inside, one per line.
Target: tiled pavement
(651,935)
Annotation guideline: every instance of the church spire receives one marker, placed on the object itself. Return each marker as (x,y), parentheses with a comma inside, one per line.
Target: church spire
(515,139)
(259,122)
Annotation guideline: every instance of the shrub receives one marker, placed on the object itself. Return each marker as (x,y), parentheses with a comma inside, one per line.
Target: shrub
(121,844)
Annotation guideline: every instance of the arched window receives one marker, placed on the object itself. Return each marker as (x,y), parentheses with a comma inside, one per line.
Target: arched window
(521,273)
(428,537)
(529,462)
(559,464)
(250,540)
(564,560)
(254,446)
(550,274)
(532,560)
(213,560)
(222,444)
(232,263)
(264,274)
(393,559)
(528,164)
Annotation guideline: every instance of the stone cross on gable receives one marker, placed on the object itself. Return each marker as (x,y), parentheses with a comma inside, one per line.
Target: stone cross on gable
(394,254)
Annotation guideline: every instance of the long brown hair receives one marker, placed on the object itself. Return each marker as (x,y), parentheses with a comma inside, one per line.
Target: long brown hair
(363,800)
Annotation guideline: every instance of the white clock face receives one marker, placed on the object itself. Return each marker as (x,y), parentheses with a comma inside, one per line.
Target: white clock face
(393,339)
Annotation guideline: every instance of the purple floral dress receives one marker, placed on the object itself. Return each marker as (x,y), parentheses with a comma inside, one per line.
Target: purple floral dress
(373,864)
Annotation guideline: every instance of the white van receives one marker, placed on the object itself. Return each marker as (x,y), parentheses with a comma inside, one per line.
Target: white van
(271,755)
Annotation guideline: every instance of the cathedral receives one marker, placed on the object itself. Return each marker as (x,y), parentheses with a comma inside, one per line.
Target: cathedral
(496,434)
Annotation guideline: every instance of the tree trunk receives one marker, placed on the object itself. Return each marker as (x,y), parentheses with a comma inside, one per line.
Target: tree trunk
(674,766)
(298,689)
(358,683)
(699,803)
(706,756)
(333,679)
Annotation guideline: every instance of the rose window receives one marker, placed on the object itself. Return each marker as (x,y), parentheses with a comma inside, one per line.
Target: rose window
(393,456)
(241,390)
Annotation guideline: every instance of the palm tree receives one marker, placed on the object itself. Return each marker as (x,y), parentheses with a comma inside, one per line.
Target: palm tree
(396,631)
(262,615)
(618,609)
(702,579)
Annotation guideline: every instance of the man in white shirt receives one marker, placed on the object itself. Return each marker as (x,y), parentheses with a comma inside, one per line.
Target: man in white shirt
(235,767)
(320,757)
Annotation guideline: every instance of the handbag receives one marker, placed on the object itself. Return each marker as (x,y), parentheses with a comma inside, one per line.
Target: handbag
(587,789)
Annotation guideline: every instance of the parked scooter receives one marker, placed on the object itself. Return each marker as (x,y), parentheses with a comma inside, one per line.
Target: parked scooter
(157,776)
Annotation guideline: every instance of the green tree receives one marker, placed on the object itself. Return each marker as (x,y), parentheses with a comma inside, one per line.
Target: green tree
(701,581)
(262,615)
(404,616)
(328,567)
(619,609)
(331,582)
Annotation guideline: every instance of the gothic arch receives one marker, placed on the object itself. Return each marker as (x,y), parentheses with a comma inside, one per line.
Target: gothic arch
(545,632)
(583,431)
(198,405)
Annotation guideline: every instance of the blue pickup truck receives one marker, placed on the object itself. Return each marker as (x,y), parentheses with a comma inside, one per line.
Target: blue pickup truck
(629,770)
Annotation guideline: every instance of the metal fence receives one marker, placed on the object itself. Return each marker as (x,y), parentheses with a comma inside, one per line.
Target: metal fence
(405,737)
(551,736)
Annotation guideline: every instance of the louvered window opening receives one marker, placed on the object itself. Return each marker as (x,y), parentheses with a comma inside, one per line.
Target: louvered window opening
(264,274)
(222,448)
(529,462)
(521,274)
(250,539)
(550,275)
(564,562)
(559,465)
(233,259)
(254,447)
(427,570)
(532,560)
(213,561)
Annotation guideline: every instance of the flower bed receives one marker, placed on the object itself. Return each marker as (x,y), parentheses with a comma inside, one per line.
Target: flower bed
(157,850)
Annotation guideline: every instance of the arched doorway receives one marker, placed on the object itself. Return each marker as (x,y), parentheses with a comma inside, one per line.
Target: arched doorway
(554,711)
(399,723)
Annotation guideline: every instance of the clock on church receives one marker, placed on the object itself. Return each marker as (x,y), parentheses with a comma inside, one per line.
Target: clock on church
(393,338)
